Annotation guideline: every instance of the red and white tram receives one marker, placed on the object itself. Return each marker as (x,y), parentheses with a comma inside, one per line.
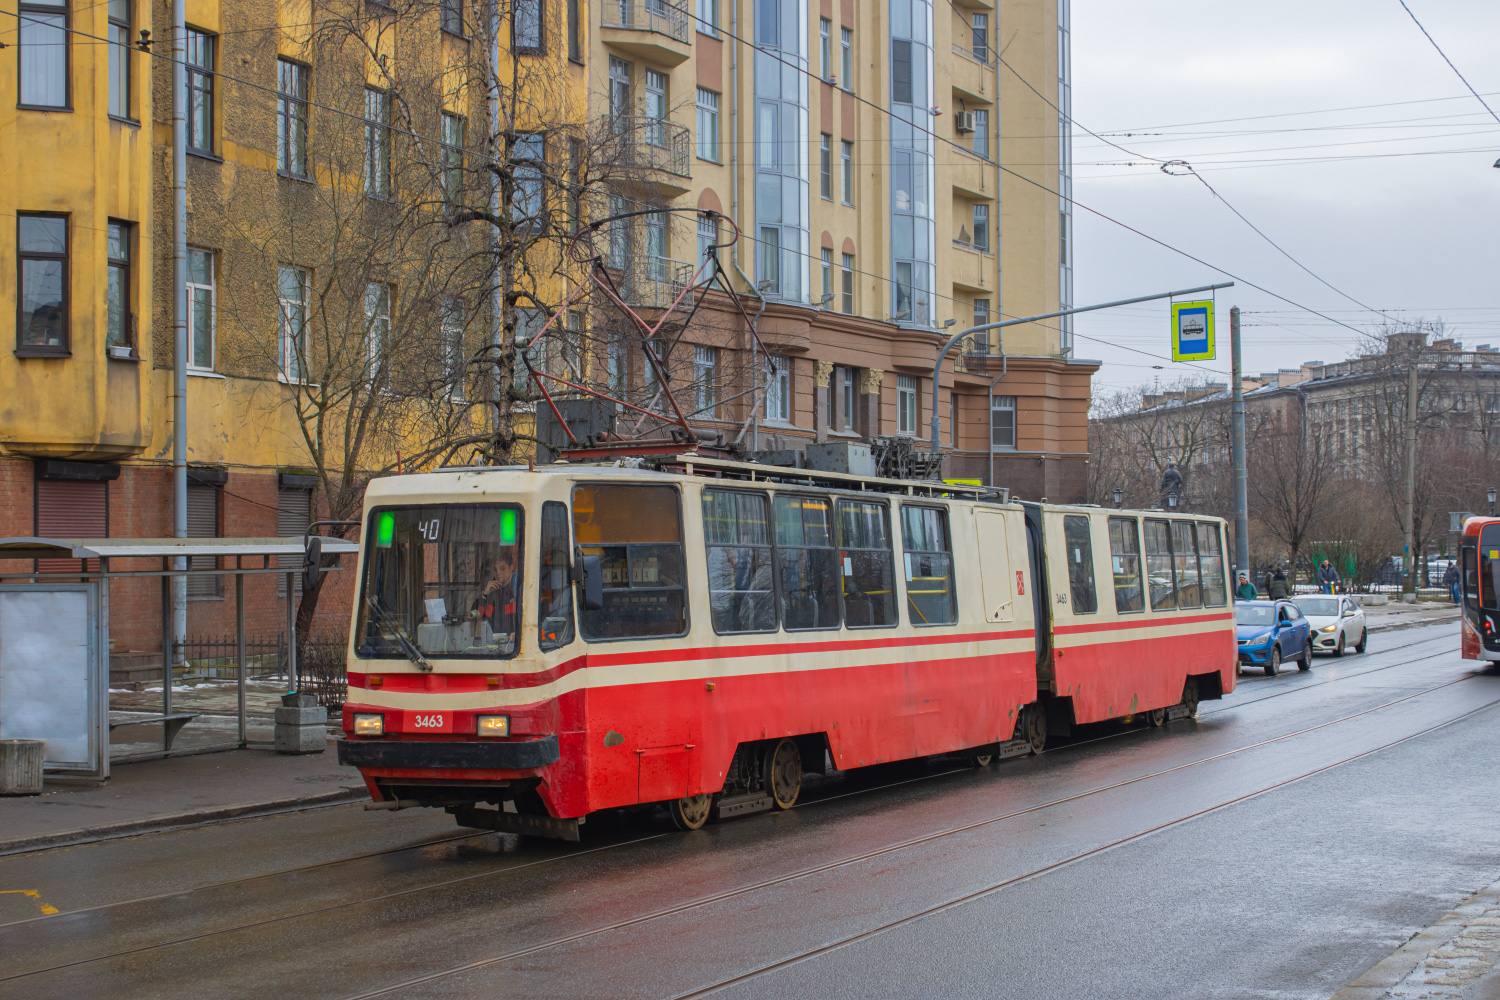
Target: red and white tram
(574,638)
(1479,559)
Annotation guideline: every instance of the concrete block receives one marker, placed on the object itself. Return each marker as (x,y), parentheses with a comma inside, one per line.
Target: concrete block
(315,715)
(21,767)
(301,739)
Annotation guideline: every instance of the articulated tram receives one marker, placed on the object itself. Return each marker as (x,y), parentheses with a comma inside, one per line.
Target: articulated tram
(534,645)
(1479,559)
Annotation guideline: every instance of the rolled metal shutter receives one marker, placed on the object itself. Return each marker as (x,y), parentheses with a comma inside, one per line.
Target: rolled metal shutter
(293,515)
(71,508)
(202,522)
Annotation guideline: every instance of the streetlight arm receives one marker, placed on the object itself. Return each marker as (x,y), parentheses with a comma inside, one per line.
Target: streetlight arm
(937,369)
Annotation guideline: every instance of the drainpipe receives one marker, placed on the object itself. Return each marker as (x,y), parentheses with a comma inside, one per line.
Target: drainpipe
(734,213)
(179,332)
(497,294)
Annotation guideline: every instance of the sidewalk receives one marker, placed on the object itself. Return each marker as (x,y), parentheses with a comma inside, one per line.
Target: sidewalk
(174,792)
(1385,617)
(1454,959)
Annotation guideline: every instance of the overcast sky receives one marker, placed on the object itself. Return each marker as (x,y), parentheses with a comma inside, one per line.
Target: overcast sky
(1414,235)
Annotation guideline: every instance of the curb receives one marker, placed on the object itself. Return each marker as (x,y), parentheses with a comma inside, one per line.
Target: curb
(1398,626)
(177,821)
(1376,981)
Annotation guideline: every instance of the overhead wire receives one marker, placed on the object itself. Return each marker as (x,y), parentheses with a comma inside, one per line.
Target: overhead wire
(1454,68)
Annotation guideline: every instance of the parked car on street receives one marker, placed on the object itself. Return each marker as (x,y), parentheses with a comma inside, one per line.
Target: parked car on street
(1270,633)
(1335,622)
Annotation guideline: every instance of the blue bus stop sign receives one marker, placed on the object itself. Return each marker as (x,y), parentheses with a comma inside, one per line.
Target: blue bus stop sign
(1192,331)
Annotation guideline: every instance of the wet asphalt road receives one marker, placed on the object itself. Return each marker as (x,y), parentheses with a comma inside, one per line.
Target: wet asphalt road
(1276,846)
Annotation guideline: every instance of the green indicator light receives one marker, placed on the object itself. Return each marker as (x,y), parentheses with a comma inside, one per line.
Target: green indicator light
(507,527)
(386,531)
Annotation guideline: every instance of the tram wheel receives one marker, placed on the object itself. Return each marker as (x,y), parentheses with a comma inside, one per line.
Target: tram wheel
(1033,726)
(1190,696)
(981,759)
(1157,717)
(690,812)
(783,773)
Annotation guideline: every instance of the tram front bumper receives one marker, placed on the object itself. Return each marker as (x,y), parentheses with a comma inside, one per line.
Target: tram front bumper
(510,755)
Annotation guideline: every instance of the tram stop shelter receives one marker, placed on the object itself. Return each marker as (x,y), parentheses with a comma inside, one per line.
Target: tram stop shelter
(55,632)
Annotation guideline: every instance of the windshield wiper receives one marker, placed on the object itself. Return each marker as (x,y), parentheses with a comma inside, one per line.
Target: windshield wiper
(403,643)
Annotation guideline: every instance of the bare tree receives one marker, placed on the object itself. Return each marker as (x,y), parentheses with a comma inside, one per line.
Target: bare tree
(1291,485)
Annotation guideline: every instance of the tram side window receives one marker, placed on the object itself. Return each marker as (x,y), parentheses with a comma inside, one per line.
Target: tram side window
(737,538)
(554,613)
(1125,562)
(1080,554)
(865,557)
(636,531)
(929,566)
(1185,562)
(1211,565)
(1159,565)
(1489,567)
(807,564)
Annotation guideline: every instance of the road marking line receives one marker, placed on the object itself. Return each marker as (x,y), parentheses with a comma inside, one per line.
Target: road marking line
(35,896)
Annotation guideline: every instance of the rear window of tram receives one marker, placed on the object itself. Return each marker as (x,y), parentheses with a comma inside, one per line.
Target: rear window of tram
(807,564)
(737,540)
(1125,563)
(1080,556)
(1159,565)
(1211,566)
(929,566)
(636,531)
(1185,565)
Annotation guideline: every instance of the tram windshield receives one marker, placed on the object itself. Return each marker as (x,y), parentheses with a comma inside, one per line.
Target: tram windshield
(441,580)
(1489,567)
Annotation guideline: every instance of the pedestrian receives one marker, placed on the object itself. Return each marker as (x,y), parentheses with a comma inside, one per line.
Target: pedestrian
(1451,579)
(1279,589)
(1328,578)
(1245,591)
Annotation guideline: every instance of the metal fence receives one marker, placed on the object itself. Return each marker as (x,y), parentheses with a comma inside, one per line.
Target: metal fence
(650,15)
(653,144)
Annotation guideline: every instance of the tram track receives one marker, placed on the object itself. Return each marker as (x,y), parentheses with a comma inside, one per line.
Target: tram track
(836,864)
(760,885)
(635,841)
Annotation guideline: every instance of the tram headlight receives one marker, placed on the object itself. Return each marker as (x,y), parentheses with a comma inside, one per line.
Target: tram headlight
(369,724)
(494,725)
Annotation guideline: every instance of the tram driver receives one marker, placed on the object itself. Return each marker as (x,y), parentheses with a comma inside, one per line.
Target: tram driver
(496,603)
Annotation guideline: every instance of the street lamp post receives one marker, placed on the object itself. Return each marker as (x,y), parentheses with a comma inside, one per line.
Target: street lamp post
(937,368)
(1172,501)
(1489,495)
(1120,498)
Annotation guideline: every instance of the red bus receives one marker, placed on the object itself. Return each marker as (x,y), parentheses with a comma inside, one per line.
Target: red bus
(1479,562)
(532,646)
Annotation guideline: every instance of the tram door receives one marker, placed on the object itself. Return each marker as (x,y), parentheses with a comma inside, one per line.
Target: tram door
(994,565)
(1036,560)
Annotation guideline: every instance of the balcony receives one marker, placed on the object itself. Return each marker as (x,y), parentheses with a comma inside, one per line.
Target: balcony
(649,280)
(973,74)
(660,152)
(658,31)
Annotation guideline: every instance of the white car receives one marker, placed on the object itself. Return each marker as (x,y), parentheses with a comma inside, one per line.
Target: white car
(1336,622)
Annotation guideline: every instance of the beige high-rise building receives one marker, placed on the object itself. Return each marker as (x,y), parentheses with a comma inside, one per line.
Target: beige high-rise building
(864,151)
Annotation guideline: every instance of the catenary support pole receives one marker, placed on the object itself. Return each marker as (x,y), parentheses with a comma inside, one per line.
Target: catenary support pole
(179,325)
(1237,447)
(1411,474)
(937,368)
(239,643)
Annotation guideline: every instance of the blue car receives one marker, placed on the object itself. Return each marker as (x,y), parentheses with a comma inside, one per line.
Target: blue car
(1271,632)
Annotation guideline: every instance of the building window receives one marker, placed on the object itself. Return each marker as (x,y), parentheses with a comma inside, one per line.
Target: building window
(202,308)
(779,390)
(619,87)
(119,58)
(528,154)
(827,265)
(846,43)
(982,228)
(42,245)
(293,517)
(291,118)
(452,13)
(708,125)
(982,38)
(845,380)
(708,17)
(981,317)
(200,79)
(906,404)
(825,166)
(848,279)
(705,359)
(1003,421)
(43,38)
(575,31)
(846,152)
(202,522)
(825,51)
(953,420)
(117,288)
(982,132)
(454,129)
(656,107)
(455,360)
(291,294)
(527,26)
(377,143)
(708,235)
(377,325)
(769,276)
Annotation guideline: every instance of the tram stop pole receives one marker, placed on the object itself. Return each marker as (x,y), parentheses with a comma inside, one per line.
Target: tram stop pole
(1237,448)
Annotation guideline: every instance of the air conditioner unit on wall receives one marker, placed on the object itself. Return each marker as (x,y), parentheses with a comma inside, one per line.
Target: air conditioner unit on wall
(963,122)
